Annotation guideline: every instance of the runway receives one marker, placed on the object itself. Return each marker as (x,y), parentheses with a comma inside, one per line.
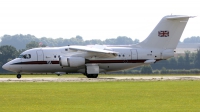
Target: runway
(102,79)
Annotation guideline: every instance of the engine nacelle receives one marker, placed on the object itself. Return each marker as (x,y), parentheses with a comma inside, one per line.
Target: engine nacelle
(71,61)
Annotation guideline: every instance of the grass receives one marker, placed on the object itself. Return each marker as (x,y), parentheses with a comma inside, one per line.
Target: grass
(100,96)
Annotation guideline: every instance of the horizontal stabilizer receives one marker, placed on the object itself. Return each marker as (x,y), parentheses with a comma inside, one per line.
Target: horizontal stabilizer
(179,17)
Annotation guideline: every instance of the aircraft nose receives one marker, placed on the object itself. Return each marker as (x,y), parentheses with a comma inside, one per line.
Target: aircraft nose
(6,66)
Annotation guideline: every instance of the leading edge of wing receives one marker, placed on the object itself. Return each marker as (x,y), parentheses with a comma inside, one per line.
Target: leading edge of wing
(94,50)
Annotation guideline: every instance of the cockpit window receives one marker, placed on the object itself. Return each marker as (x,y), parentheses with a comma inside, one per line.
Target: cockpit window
(20,56)
(25,56)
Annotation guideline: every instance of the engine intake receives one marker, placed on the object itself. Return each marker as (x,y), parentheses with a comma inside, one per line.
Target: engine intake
(71,61)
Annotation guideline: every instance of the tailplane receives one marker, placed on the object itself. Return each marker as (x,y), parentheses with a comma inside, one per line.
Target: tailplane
(167,33)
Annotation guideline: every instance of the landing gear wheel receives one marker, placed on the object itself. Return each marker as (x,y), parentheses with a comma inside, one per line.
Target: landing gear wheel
(19,76)
(92,75)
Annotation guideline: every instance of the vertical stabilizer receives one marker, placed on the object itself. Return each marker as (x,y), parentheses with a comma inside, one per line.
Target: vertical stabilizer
(167,33)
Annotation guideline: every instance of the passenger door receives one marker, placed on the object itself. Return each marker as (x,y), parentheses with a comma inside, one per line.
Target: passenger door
(134,55)
(40,55)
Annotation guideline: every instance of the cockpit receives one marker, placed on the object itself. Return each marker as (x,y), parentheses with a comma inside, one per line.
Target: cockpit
(25,56)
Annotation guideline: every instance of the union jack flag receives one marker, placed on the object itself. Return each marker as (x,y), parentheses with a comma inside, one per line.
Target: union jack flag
(163,33)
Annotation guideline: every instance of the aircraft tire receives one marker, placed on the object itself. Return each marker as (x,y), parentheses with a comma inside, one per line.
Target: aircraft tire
(92,75)
(19,76)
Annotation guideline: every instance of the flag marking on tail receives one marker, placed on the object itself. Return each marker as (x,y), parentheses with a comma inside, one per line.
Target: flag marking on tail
(163,33)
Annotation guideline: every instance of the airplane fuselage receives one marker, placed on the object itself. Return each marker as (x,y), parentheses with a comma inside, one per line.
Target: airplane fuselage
(45,60)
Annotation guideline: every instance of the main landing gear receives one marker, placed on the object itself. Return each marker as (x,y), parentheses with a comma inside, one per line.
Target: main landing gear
(91,70)
(92,75)
(19,75)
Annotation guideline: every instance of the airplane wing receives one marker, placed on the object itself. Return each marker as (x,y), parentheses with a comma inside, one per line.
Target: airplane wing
(97,52)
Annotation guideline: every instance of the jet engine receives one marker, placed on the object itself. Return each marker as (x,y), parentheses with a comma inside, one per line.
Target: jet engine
(71,61)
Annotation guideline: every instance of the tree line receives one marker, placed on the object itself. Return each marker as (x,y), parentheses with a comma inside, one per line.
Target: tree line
(19,41)
(193,39)
(188,61)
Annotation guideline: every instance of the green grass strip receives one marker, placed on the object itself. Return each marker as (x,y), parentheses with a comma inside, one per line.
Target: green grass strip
(162,96)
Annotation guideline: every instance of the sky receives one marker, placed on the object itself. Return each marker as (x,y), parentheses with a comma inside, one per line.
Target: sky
(93,19)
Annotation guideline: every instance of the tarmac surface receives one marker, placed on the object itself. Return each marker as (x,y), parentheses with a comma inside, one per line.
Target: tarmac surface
(101,79)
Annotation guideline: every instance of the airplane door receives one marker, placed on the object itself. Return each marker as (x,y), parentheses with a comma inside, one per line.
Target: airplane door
(134,55)
(40,56)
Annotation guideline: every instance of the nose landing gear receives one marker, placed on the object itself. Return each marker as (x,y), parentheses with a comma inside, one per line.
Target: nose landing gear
(19,76)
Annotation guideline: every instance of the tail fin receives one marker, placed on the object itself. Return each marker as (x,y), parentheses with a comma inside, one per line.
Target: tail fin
(167,33)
